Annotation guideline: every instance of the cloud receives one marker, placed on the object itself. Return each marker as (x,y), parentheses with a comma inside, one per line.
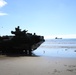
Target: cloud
(2,14)
(2,3)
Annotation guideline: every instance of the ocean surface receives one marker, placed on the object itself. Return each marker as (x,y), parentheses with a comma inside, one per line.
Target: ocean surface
(57,48)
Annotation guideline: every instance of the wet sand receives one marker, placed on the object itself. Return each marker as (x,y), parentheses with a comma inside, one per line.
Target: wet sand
(26,65)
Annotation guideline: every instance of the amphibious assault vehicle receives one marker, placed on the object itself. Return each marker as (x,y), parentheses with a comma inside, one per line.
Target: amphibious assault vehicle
(20,42)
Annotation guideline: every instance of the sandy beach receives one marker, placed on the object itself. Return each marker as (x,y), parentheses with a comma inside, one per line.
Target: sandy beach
(26,65)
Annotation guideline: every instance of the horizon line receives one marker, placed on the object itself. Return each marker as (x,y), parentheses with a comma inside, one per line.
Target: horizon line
(61,36)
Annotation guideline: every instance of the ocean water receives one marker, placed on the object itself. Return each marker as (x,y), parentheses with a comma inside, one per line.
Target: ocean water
(57,48)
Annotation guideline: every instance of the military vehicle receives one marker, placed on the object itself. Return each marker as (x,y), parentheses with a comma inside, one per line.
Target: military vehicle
(20,42)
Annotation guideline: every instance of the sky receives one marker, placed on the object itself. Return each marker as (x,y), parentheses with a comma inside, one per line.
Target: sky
(49,18)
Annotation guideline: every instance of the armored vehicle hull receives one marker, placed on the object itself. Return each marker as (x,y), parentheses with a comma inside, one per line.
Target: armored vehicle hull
(20,42)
